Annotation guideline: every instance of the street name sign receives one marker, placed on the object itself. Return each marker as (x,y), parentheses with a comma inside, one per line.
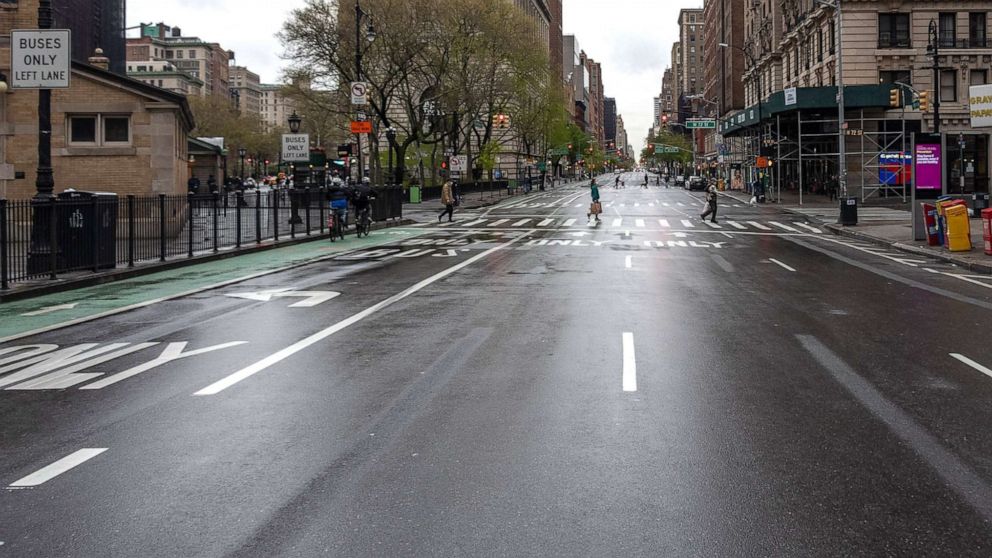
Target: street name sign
(40,58)
(359,93)
(701,124)
(660,149)
(296,148)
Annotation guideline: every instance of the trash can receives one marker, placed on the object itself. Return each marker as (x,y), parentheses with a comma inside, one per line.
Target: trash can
(979,202)
(87,230)
(987,230)
(958,228)
(415,195)
(848,212)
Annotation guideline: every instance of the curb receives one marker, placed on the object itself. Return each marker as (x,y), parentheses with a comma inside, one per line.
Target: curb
(146,269)
(909,248)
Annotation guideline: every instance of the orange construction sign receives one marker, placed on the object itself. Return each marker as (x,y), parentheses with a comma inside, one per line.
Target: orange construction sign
(361,127)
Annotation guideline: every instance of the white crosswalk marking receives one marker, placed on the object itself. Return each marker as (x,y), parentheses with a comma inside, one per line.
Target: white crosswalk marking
(522,222)
(688,224)
(578,205)
(783,227)
(569,223)
(617,222)
(623,205)
(758,226)
(650,205)
(736,225)
(497,223)
(681,204)
(545,222)
(664,223)
(637,205)
(667,204)
(474,223)
(639,223)
(712,225)
(809,228)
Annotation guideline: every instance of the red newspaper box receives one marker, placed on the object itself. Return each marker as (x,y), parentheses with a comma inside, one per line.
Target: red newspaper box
(987,228)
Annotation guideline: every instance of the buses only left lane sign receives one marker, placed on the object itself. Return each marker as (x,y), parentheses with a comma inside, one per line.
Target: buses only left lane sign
(40,58)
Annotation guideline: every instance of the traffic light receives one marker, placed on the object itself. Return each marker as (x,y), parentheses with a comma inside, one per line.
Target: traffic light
(444,165)
(895,98)
(501,121)
(924,101)
(266,162)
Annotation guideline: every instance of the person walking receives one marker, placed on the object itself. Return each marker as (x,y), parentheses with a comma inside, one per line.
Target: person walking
(595,208)
(448,199)
(711,196)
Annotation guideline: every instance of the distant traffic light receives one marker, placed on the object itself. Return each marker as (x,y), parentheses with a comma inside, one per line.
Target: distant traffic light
(895,98)
(924,101)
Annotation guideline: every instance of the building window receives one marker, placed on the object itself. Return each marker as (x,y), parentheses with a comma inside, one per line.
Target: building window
(168,54)
(179,54)
(979,77)
(948,86)
(82,130)
(99,130)
(819,46)
(833,37)
(978,30)
(192,54)
(892,76)
(948,29)
(893,31)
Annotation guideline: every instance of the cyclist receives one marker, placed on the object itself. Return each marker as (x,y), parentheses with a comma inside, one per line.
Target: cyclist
(361,198)
(338,195)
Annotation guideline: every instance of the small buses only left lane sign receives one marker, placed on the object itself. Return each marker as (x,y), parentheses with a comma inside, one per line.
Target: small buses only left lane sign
(40,58)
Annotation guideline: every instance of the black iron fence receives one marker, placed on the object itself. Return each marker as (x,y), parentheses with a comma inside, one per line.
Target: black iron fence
(485,188)
(79,231)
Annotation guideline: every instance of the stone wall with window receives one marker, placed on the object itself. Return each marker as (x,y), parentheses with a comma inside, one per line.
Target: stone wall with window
(109,133)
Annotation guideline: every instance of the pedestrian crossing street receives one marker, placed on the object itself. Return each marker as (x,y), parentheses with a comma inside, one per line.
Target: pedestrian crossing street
(564,205)
(633,223)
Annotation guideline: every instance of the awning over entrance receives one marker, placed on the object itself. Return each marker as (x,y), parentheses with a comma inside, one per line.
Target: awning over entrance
(808,98)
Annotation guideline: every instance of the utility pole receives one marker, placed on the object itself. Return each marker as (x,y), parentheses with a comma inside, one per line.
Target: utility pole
(934,48)
(841,109)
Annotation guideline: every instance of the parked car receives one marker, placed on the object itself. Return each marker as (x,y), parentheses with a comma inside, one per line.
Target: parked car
(679,180)
(696,183)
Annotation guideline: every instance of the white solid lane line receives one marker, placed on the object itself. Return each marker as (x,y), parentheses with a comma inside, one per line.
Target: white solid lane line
(629,363)
(809,228)
(972,364)
(782,265)
(783,227)
(736,225)
(522,222)
(629,262)
(639,223)
(48,473)
(758,226)
(291,350)
(664,223)
(617,222)
(688,224)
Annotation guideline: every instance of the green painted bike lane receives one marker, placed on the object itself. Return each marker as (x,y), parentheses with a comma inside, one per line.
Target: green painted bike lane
(90,303)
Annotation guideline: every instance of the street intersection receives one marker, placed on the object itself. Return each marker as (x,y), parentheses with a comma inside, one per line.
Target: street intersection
(517,383)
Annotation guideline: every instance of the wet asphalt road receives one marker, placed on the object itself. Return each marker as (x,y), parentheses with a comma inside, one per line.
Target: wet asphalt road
(520,384)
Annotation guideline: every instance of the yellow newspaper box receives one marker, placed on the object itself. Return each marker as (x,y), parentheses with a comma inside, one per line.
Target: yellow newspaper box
(958,229)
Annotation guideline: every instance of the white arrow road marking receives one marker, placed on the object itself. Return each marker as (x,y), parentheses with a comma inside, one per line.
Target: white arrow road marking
(314,298)
(629,262)
(629,363)
(50,309)
(174,351)
(449,254)
(48,473)
(972,364)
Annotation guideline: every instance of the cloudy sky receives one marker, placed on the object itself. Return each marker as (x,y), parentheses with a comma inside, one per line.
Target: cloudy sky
(631,38)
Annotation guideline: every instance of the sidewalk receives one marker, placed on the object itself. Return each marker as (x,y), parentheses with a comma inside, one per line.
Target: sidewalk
(887,224)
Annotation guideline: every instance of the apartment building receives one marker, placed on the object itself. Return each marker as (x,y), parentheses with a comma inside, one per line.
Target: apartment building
(246,91)
(205,61)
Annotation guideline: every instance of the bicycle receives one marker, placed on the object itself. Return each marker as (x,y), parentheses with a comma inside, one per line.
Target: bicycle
(335,226)
(363,222)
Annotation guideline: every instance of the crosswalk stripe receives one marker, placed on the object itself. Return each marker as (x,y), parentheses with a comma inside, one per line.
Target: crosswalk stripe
(639,223)
(497,223)
(713,225)
(545,222)
(736,225)
(681,204)
(758,226)
(688,224)
(664,223)
(809,228)
(473,223)
(637,205)
(623,205)
(578,205)
(617,222)
(650,205)
(666,204)
(783,227)
(569,223)
(522,222)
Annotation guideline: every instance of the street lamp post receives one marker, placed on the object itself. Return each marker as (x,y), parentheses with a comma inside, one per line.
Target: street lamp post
(241,153)
(42,254)
(933,48)
(370,36)
(390,138)
(294,127)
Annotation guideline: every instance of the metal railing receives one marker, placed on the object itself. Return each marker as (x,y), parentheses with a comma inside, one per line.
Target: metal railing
(50,238)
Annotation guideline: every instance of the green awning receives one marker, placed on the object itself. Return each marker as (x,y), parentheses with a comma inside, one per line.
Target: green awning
(808,98)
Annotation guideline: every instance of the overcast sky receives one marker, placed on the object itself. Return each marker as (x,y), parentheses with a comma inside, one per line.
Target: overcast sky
(631,38)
